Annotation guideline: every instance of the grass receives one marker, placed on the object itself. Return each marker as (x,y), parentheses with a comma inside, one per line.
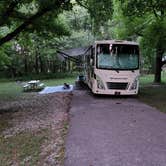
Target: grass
(54,82)
(9,90)
(22,149)
(153,95)
(26,148)
(4,122)
(148,79)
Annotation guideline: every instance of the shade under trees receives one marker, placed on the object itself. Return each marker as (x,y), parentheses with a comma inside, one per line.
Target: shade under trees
(150,23)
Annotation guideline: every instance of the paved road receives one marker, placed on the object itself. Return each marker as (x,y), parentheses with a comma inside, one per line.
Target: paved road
(107,131)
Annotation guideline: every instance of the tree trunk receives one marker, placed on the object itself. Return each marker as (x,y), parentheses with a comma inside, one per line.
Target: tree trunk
(13,72)
(158,66)
(68,65)
(25,63)
(54,66)
(41,65)
(37,63)
(64,66)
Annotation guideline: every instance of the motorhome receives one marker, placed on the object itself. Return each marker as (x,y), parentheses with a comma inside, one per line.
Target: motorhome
(112,67)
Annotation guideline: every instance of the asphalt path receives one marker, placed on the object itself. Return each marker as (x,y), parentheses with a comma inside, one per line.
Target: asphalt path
(108,131)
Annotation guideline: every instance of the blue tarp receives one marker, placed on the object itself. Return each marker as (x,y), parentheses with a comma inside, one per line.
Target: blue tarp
(53,89)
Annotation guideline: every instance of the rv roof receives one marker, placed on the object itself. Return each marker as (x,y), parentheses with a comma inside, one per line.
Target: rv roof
(116,42)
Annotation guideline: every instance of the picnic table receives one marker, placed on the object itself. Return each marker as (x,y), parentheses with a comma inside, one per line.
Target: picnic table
(33,85)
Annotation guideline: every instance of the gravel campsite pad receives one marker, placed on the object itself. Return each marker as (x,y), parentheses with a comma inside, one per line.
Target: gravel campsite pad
(114,131)
(33,129)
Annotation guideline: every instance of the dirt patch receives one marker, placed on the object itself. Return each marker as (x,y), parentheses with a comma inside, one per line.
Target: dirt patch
(43,120)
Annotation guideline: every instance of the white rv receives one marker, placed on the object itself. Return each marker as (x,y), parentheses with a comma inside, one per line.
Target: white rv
(112,67)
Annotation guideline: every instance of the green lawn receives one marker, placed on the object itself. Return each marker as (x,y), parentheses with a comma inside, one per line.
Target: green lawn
(54,82)
(148,79)
(24,148)
(151,94)
(9,90)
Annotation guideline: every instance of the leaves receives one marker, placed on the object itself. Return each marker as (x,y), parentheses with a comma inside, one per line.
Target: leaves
(23,14)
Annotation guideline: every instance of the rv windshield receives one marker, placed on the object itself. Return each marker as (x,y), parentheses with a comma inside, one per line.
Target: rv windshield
(117,56)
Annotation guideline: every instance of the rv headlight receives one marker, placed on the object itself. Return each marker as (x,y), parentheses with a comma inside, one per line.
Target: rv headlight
(134,84)
(100,84)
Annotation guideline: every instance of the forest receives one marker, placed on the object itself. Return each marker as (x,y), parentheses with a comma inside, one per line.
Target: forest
(32,32)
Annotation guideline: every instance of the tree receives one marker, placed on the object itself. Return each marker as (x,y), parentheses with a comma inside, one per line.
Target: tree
(24,18)
(23,15)
(79,22)
(4,58)
(100,12)
(150,19)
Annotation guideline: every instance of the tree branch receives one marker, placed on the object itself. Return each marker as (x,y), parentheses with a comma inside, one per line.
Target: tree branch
(81,4)
(86,7)
(55,6)
(153,8)
(22,27)
(19,16)
(154,11)
(139,34)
